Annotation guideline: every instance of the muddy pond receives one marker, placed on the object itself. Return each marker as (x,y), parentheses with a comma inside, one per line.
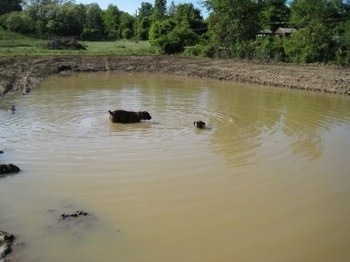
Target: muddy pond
(267,180)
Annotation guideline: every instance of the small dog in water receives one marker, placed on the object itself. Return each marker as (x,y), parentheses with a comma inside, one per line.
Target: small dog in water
(11,109)
(199,124)
(122,116)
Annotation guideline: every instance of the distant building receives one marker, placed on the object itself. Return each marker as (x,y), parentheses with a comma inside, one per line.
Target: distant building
(264,32)
(284,31)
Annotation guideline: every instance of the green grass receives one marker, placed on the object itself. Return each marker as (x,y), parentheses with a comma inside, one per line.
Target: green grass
(12,44)
(120,47)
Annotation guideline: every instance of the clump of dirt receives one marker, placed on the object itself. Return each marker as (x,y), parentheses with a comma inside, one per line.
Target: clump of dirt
(21,74)
(8,169)
(6,242)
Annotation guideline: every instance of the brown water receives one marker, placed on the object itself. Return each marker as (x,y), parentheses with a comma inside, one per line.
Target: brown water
(268,180)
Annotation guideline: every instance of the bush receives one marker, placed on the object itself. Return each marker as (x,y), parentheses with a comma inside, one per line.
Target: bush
(192,51)
(268,48)
(172,38)
(19,22)
(127,33)
(243,50)
(310,44)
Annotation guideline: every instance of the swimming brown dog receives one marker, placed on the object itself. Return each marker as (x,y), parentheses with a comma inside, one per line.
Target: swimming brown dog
(199,124)
(122,116)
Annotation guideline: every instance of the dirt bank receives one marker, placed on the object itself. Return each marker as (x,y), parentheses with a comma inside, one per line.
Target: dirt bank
(21,74)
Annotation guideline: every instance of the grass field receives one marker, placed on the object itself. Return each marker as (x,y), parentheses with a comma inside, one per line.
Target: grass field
(12,44)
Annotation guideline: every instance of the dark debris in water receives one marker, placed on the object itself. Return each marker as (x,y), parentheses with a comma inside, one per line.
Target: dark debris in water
(8,168)
(71,223)
(74,215)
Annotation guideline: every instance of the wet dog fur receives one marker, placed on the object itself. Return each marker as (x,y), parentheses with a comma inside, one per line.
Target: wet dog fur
(123,116)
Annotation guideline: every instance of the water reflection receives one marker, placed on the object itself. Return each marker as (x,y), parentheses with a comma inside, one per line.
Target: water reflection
(258,115)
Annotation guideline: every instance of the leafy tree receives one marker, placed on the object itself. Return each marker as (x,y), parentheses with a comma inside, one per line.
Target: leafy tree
(19,22)
(274,13)
(310,44)
(40,27)
(172,8)
(127,21)
(317,22)
(171,37)
(3,19)
(342,42)
(111,21)
(145,10)
(41,9)
(38,3)
(143,27)
(304,11)
(93,17)
(232,22)
(144,20)
(159,10)
(161,28)
(188,14)
(52,25)
(341,32)
(159,35)
(66,20)
(8,6)
(179,30)
(93,27)
(55,17)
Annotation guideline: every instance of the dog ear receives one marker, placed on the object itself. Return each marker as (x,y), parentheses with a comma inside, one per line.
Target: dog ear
(110,112)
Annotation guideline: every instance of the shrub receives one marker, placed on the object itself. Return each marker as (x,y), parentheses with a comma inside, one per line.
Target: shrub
(127,33)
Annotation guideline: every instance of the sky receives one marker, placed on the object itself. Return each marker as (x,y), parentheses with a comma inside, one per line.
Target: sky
(130,6)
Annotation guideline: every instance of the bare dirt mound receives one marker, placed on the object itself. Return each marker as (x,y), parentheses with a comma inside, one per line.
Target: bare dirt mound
(65,43)
(21,74)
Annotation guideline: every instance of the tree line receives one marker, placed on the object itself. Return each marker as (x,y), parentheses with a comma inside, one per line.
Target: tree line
(233,29)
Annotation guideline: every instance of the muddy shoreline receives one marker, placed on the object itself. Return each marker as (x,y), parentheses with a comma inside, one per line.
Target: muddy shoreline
(21,74)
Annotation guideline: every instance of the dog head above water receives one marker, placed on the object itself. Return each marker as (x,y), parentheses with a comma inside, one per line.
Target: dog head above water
(144,115)
(199,124)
